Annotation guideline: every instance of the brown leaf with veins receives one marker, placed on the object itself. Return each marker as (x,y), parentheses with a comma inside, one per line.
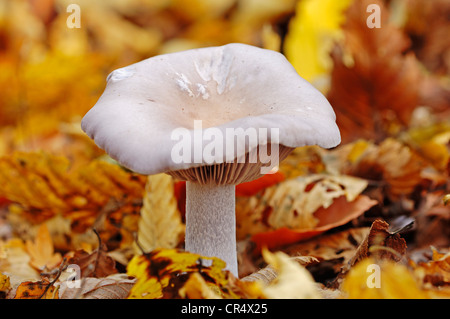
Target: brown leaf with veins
(381,244)
(115,286)
(97,264)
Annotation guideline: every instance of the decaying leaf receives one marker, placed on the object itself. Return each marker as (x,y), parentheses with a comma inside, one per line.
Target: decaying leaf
(41,251)
(373,90)
(115,286)
(160,224)
(338,214)
(96,264)
(36,290)
(380,243)
(163,271)
(5,284)
(436,271)
(292,203)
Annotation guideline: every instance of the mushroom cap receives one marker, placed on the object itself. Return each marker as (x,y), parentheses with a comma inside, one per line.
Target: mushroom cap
(235,86)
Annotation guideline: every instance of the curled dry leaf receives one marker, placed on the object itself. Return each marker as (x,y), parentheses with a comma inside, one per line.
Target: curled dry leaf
(115,286)
(293,203)
(321,202)
(380,243)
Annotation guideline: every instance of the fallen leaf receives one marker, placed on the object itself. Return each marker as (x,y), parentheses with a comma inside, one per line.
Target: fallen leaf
(268,274)
(5,284)
(197,288)
(379,244)
(41,251)
(96,264)
(375,279)
(293,203)
(15,262)
(163,271)
(36,290)
(160,224)
(436,271)
(373,91)
(293,281)
(339,213)
(115,286)
(310,40)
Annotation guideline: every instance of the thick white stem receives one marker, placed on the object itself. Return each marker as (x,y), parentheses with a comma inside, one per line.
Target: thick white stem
(211,222)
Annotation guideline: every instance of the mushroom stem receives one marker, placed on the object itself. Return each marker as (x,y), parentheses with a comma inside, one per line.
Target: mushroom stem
(211,222)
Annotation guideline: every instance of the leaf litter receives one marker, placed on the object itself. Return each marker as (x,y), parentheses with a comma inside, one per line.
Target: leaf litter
(379,201)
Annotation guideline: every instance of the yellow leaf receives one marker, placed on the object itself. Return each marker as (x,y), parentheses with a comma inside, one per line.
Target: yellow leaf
(293,280)
(196,288)
(14,262)
(370,279)
(5,284)
(42,252)
(160,224)
(157,272)
(311,36)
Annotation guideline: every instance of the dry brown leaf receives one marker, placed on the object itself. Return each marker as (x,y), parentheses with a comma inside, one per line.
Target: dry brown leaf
(436,271)
(41,251)
(115,286)
(380,243)
(96,264)
(374,85)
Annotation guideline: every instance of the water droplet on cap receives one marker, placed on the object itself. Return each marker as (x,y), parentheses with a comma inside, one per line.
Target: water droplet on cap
(121,74)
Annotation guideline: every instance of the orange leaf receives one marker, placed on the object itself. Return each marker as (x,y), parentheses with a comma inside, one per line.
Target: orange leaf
(339,213)
(255,186)
(36,290)
(41,250)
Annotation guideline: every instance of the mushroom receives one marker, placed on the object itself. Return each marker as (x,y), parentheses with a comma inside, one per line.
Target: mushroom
(214,117)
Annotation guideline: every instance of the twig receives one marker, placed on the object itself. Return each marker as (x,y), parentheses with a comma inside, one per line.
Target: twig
(60,269)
